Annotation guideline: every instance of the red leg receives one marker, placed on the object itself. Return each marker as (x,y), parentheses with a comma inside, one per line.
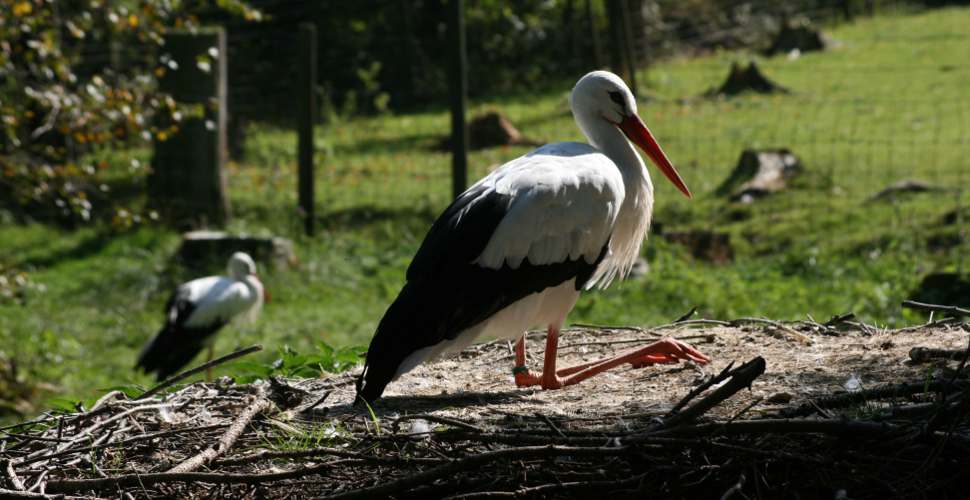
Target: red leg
(523,377)
(662,351)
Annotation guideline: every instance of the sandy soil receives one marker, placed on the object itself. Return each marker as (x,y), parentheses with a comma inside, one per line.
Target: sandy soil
(477,384)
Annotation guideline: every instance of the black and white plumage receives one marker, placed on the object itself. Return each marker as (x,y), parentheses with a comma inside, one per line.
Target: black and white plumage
(515,249)
(197,310)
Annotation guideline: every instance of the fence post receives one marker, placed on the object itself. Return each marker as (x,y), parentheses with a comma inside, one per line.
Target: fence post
(847,9)
(306,108)
(594,35)
(629,54)
(188,179)
(459,92)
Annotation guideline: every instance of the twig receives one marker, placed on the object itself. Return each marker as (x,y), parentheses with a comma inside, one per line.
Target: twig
(12,475)
(319,452)
(5,493)
(692,322)
(801,337)
(839,319)
(436,418)
(385,489)
(198,369)
(228,439)
(920,354)
(687,315)
(145,480)
(120,444)
(740,378)
(881,392)
(607,327)
(550,424)
(317,403)
(922,306)
(725,373)
(546,489)
(735,488)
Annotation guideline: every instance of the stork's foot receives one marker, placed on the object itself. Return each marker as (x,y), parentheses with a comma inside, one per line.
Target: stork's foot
(526,378)
(668,350)
(663,351)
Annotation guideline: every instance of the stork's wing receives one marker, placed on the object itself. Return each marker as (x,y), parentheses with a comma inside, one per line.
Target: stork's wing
(554,205)
(534,223)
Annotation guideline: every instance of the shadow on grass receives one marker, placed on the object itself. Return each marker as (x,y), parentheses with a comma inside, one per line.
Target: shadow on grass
(86,247)
(362,216)
(400,144)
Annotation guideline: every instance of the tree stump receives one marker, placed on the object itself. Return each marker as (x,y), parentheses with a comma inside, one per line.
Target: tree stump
(204,250)
(746,79)
(951,289)
(489,130)
(760,173)
(798,35)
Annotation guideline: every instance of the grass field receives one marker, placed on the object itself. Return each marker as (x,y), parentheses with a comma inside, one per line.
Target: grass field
(889,103)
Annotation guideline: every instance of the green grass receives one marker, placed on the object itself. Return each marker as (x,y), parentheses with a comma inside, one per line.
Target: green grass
(889,103)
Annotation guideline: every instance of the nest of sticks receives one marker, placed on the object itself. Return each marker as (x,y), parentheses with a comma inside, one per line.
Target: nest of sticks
(908,437)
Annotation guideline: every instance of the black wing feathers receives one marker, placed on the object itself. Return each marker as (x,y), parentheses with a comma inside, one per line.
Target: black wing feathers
(175,344)
(447,293)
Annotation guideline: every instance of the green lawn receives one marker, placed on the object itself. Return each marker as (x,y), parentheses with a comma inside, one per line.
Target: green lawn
(889,103)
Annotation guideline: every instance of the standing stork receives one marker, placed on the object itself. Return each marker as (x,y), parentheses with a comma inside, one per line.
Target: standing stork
(515,249)
(197,310)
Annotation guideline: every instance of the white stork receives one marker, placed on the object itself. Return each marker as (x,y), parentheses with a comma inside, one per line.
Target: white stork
(197,310)
(515,249)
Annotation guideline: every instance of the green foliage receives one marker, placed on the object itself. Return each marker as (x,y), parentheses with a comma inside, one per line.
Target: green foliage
(78,79)
(322,358)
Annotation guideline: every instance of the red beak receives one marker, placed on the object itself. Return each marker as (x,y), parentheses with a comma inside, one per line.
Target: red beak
(639,134)
(266,296)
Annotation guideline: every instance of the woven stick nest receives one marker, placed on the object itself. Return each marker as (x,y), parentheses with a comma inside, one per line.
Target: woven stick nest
(837,410)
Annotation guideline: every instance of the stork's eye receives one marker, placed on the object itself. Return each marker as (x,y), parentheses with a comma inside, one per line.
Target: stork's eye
(616,97)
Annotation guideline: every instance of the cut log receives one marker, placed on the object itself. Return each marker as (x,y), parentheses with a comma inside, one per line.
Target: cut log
(759,173)
(798,35)
(203,250)
(704,245)
(746,79)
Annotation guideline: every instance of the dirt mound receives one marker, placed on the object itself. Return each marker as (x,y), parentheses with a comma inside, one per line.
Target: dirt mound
(835,409)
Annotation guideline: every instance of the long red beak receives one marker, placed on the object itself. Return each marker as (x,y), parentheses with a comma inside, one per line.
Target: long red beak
(639,134)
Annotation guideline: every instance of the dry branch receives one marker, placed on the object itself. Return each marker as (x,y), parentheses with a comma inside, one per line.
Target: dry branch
(883,392)
(737,379)
(198,369)
(922,306)
(259,404)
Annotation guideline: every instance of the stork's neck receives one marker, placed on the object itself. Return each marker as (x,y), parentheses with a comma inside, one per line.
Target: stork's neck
(606,137)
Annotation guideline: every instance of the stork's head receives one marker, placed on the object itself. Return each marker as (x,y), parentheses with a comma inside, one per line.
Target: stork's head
(241,265)
(601,95)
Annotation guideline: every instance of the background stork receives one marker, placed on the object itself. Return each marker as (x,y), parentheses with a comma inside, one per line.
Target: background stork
(515,249)
(197,310)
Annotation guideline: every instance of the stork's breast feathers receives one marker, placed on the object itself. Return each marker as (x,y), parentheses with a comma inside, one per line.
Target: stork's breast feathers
(561,207)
